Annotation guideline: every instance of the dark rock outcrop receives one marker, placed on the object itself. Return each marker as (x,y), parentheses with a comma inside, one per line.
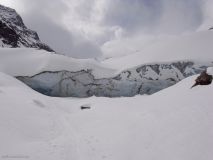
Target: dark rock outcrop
(203,79)
(13,32)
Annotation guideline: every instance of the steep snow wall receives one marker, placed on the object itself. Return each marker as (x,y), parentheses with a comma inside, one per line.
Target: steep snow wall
(145,79)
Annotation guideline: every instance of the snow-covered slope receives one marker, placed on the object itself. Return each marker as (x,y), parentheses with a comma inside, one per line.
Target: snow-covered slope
(14,33)
(27,122)
(195,46)
(173,124)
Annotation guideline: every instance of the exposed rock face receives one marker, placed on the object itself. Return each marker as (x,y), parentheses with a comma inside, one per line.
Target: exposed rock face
(13,32)
(203,79)
(145,79)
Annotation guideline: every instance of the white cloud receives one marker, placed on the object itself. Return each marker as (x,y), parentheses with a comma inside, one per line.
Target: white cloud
(80,28)
(207,15)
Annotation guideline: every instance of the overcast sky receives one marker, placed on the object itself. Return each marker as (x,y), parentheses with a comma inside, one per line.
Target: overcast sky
(83,28)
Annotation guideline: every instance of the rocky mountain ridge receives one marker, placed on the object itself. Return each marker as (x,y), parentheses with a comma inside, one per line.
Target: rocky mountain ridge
(14,33)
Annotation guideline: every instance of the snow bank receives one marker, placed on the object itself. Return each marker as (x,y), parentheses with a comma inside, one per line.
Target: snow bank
(28,62)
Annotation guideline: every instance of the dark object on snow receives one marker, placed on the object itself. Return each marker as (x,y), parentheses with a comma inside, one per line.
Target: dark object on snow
(211,28)
(85,107)
(203,79)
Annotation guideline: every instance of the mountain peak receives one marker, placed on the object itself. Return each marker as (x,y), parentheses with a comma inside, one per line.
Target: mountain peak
(14,33)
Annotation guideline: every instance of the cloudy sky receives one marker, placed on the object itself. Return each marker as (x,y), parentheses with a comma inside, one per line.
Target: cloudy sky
(87,28)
